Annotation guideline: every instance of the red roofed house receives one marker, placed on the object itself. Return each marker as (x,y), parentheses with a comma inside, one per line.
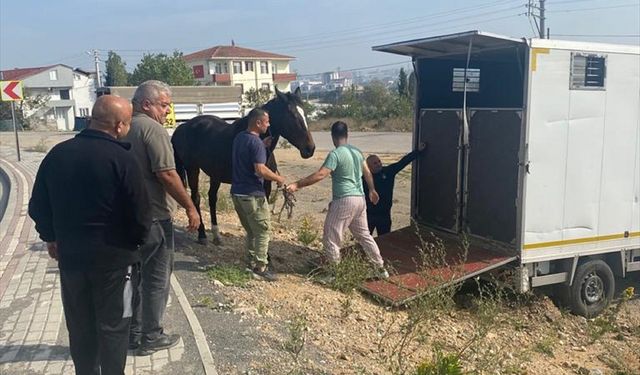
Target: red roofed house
(243,67)
(69,92)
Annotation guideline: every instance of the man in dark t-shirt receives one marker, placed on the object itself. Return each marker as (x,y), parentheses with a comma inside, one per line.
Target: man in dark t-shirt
(249,157)
(379,215)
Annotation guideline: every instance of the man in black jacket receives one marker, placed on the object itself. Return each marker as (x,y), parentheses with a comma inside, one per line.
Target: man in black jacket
(384,177)
(91,208)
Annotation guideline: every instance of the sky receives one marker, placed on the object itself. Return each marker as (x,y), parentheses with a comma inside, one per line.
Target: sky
(323,35)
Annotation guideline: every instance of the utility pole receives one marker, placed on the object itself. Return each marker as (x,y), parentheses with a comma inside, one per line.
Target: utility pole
(96,61)
(537,13)
(542,21)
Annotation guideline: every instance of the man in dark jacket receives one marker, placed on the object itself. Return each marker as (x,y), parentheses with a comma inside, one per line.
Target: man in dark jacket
(384,178)
(91,208)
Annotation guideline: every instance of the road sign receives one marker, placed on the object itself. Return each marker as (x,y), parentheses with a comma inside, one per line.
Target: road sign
(11,91)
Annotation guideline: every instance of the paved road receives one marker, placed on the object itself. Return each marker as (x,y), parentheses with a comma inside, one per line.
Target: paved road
(33,335)
(380,142)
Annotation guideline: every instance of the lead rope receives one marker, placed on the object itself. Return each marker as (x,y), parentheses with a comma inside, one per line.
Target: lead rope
(288,204)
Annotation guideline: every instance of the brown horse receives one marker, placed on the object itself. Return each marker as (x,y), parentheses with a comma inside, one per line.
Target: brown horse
(204,142)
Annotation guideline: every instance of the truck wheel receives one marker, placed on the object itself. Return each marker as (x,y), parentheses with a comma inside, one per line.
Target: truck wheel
(592,289)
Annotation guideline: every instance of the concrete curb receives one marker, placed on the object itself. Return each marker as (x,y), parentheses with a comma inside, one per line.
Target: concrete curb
(201,340)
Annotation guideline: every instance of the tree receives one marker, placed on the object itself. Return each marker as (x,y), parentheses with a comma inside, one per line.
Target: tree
(413,82)
(25,110)
(403,88)
(256,98)
(376,98)
(172,70)
(116,72)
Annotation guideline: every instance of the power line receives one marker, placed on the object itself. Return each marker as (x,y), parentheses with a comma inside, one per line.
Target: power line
(404,36)
(375,37)
(384,25)
(602,35)
(323,36)
(386,32)
(634,5)
(304,41)
(358,69)
(70,57)
(571,1)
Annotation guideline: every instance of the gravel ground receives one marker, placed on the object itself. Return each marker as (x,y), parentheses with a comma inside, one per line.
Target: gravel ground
(249,327)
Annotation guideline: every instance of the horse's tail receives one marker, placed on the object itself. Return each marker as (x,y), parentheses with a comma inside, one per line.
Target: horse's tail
(182,171)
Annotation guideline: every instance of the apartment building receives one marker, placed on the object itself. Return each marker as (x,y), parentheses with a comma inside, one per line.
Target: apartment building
(242,67)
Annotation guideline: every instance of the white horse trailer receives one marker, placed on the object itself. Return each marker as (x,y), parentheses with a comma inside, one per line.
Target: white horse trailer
(534,149)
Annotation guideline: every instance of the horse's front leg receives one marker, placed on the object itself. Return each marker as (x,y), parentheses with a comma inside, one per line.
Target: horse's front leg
(213,200)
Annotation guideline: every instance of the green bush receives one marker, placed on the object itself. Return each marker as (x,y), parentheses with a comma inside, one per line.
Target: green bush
(307,233)
(350,273)
(443,364)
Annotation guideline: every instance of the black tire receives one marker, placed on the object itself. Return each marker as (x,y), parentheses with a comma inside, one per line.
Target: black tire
(592,290)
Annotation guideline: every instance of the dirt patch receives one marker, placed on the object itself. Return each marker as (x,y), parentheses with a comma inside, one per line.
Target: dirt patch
(352,334)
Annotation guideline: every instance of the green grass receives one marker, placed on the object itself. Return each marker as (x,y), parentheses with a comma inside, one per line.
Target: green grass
(545,346)
(602,325)
(229,275)
(350,273)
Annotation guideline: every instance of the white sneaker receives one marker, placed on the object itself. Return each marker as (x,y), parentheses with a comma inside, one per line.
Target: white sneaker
(380,273)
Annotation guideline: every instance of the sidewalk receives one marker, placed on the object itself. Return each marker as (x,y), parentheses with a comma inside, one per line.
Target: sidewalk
(33,334)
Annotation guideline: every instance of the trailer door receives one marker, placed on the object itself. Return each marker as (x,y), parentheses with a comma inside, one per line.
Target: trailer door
(438,195)
(492,174)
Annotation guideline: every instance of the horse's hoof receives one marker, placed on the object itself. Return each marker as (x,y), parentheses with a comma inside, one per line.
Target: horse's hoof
(202,241)
(216,241)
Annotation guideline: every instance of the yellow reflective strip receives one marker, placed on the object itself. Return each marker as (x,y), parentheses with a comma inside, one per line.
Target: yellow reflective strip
(534,57)
(579,240)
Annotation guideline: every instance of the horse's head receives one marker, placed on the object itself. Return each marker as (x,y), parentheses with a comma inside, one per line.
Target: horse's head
(288,120)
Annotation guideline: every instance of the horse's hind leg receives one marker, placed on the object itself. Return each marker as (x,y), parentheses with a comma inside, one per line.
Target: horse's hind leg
(213,201)
(193,175)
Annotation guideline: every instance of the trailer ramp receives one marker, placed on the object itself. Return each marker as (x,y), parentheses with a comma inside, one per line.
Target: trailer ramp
(414,275)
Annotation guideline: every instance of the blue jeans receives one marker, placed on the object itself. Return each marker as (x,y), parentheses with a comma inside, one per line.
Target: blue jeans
(153,290)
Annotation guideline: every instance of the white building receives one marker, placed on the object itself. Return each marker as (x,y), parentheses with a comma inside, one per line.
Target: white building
(242,67)
(70,93)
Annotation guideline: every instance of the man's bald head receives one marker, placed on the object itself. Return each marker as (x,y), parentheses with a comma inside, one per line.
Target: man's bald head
(374,163)
(111,114)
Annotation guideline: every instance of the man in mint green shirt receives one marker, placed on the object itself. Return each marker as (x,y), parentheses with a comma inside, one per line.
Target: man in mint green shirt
(348,208)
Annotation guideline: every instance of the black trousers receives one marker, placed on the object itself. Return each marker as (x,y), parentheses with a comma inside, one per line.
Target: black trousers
(98,307)
(379,222)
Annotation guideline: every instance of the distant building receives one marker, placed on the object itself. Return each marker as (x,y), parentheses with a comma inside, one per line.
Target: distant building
(307,86)
(336,80)
(242,67)
(70,93)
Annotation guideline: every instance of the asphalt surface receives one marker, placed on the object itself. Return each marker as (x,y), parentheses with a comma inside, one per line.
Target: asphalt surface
(368,142)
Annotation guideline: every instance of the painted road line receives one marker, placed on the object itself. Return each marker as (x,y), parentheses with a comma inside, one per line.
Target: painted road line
(196,328)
